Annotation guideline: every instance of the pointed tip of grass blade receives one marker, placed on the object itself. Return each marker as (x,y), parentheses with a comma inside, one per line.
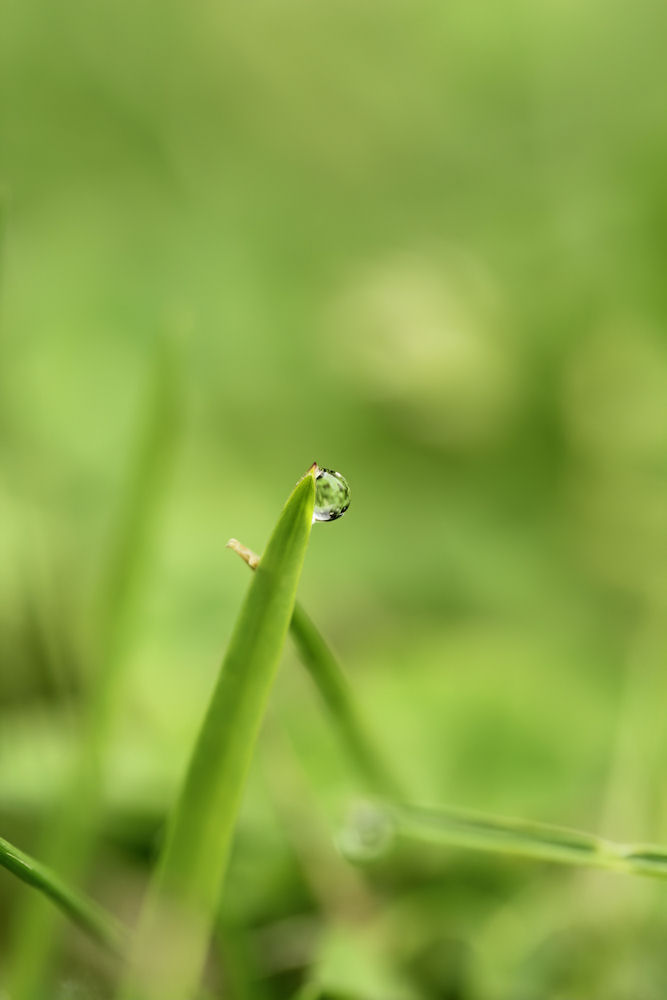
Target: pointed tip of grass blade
(312,471)
(248,555)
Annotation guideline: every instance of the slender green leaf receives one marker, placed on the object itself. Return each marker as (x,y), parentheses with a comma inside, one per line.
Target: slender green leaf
(337,696)
(336,693)
(311,991)
(84,912)
(238,961)
(70,834)
(374,828)
(177,919)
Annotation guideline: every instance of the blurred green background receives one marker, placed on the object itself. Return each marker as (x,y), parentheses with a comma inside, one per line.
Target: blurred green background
(424,244)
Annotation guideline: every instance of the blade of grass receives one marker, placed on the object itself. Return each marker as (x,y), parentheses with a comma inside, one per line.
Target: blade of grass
(177,919)
(337,696)
(336,693)
(451,827)
(239,964)
(310,991)
(69,840)
(82,911)
(375,827)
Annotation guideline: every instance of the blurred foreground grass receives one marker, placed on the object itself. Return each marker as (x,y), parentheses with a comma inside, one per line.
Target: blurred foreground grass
(425,245)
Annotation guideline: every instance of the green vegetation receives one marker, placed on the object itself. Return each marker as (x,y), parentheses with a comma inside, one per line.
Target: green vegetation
(178,918)
(82,911)
(69,839)
(378,826)
(333,686)
(425,244)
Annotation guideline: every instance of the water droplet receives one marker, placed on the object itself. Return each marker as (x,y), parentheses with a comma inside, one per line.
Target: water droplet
(368,834)
(332,495)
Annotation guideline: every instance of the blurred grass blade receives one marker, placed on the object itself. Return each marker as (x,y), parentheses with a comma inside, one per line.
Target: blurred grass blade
(310,991)
(375,827)
(336,694)
(178,916)
(82,911)
(237,960)
(69,838)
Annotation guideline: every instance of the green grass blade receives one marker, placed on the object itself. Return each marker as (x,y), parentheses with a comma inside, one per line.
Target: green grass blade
(375,827)
(336,693)
(311,991)
(70,834)
(82,911)
(177,919)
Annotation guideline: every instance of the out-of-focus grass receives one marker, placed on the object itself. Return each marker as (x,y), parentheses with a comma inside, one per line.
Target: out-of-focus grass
(375,828)
(81,910)
(448,222)
(69,839)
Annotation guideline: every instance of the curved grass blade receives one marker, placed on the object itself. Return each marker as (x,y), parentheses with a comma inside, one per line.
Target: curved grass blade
(375,827)
(178,915)
(82,911)
(336,693)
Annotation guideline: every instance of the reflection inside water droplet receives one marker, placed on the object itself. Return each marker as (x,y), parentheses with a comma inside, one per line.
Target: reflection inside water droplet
(332,495)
